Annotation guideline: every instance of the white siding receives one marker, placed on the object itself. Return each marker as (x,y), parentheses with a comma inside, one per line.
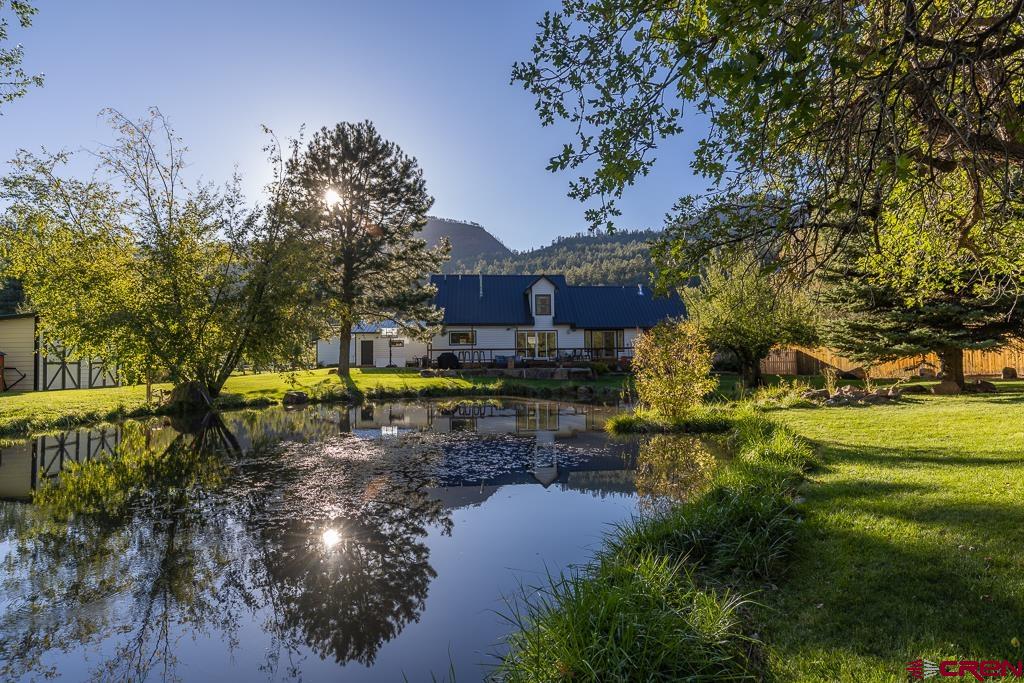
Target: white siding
(327,351)
(17,341)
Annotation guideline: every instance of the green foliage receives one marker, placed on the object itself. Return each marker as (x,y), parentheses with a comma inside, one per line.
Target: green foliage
(158,278)
(672,367)
(876,320)
(744,308)
(826,120)
(14,82)
(784,394)
(361,201)
(703,420)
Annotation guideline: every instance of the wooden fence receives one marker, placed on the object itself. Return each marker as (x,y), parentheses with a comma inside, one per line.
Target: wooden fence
(802,361)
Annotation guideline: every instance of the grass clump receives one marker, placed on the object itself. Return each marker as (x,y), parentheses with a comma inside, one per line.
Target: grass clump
(644,421)
(642,619)
(633,614)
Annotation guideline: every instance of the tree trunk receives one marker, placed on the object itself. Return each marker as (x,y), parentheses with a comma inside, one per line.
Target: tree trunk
(751,369)
(344,342)
(952,364)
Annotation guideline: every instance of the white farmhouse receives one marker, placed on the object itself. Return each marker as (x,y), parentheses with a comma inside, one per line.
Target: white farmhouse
(491,318)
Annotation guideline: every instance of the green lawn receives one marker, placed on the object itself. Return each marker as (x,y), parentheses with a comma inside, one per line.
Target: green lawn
(37,411)
(911,540)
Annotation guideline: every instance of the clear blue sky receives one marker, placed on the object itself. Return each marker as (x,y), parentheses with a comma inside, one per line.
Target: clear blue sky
(433,76)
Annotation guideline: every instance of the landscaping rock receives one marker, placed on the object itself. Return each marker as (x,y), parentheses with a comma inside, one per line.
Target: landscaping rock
(294,398)
(816,395)
(946,387)
(427,373)
(894,392)
(1009,373)
(585,393)
(913,389)
(983,387)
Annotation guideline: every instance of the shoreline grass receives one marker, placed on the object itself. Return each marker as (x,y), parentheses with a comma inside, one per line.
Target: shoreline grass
(668,596)
(29,413)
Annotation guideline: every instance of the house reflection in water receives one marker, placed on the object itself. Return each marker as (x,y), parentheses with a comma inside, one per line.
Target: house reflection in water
(25,464)
(545,430)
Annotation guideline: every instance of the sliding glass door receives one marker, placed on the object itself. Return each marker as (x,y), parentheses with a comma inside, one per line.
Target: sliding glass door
(533,344)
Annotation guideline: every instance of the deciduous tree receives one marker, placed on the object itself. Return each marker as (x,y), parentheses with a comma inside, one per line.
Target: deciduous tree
(138,268)
(828,119)
(746,308)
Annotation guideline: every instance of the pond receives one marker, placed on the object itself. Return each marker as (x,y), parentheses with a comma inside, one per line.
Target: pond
(376,543)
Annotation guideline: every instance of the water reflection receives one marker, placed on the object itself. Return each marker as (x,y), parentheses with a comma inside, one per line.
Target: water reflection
(294,536)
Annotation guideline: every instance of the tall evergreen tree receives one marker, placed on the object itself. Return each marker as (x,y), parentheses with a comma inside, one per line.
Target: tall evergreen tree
(873,322)
(362,200)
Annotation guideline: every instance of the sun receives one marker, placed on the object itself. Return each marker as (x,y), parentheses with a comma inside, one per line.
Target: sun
(330,538)
(332,198)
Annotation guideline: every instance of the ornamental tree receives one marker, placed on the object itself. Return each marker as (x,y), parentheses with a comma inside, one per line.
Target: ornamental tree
(746,308)
(360,201)
(672,368)
(163,279)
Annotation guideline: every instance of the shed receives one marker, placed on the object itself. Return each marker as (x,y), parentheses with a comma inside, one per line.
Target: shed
(18,345)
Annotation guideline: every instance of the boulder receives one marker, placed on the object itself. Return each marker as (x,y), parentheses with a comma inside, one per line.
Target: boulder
(913,389)
(946,387)
(1009,373)
(189,397)
(427,373)
(894,392)
(294,398)
(585,393)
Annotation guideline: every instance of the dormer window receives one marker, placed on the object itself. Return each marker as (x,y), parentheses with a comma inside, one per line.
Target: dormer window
(542,304)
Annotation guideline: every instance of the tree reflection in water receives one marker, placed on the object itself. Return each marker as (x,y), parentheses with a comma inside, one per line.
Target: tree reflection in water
(194,532)
(674,468)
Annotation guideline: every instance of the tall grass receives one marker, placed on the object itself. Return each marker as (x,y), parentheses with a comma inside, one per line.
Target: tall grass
(663,600)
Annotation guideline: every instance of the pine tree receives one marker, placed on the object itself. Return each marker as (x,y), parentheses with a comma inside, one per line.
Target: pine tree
(872,322)
(362,200)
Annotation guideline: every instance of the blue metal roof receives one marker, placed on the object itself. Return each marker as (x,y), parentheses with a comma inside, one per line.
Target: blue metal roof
(503,300)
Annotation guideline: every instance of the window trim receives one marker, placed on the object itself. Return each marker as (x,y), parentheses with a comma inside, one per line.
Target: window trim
(471,342)
(536,304)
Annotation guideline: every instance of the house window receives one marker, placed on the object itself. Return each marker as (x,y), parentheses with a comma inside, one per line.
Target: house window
(531,344)
(462,338)
(397,343)
(604,343)
(542,304)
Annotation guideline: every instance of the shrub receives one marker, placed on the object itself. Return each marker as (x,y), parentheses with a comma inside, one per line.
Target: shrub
(672,365)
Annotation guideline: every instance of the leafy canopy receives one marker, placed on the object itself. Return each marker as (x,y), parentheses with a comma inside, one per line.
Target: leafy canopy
(746,308)
(894,119)
(134,266)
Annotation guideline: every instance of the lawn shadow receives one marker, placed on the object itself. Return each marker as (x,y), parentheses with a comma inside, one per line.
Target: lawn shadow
(889,571)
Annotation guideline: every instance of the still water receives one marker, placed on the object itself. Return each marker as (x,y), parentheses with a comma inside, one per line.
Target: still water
(376,543)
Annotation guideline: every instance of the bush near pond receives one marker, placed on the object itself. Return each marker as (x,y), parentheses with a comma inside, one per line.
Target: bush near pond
(672,366)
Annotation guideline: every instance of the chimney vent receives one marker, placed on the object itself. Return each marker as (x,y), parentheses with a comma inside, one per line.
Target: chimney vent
(481,285)
(639,289)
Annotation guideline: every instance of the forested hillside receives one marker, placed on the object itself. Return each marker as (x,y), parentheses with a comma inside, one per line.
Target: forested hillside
(621,258)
